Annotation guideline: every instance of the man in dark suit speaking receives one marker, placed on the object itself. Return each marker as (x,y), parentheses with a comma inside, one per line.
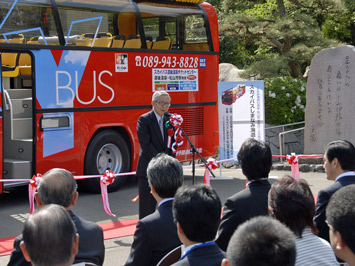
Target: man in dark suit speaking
(153,139)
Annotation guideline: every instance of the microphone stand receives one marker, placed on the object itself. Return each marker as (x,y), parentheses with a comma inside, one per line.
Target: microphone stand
(194,151)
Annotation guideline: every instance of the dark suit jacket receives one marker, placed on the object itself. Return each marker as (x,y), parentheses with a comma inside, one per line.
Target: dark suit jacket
(91,244)
(151,140)
(324,196)
(155,236)
(242,206)
(206,256)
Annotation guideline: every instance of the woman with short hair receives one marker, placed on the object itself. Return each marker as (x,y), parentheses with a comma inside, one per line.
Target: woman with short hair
(291,202)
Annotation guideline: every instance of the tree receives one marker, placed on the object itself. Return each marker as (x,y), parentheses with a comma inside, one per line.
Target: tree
(341,26)
(283,35)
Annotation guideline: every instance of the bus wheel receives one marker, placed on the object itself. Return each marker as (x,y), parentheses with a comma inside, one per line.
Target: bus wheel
(107,151)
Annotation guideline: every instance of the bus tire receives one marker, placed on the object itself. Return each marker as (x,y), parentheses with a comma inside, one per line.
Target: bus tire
(107,151)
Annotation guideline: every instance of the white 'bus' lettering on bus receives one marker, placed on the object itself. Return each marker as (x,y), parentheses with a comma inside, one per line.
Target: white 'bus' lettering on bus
(105,85)
(67,87)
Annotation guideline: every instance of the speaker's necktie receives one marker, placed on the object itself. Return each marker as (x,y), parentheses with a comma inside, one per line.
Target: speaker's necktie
(161,127)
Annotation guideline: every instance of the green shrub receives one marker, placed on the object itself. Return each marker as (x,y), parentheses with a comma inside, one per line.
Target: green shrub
(285,100)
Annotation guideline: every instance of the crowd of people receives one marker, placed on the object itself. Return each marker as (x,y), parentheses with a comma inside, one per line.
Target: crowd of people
(264,224)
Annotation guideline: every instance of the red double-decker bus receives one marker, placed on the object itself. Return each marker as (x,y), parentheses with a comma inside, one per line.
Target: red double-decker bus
(230,96)
(77,74)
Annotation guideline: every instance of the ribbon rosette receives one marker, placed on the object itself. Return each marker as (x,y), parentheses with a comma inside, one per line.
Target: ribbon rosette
(212,165)
(293,161)
(176,121)
(106,179)
(32,187)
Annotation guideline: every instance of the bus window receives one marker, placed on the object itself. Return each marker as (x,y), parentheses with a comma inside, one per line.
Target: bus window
(28,20)
(183,25)
(170,28)
(195,33)
(151,27)
(98,24)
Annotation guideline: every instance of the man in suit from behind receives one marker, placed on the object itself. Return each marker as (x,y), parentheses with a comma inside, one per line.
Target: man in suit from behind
(340,215)
(153,139)
(255,159)
(49,237)
(339,165)
(58,186)
(197,213)
(156,233)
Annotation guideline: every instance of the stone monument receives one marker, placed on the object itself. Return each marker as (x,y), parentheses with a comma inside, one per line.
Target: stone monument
(330,108)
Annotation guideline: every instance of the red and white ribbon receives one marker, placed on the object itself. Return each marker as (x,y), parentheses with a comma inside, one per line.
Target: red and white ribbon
(106,179)
(32,187)
(293,161)
(176,121)
(212,165)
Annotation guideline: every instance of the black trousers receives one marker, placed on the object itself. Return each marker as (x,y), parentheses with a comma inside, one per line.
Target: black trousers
(147,203)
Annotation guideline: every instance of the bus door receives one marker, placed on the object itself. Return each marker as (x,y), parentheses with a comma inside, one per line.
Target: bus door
(17,113)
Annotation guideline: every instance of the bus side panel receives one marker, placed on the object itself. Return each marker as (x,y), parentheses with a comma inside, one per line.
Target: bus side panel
(139,82)
(1,128)
(213,21)
(70,81)
(120,84)
(124,80)
(57,145)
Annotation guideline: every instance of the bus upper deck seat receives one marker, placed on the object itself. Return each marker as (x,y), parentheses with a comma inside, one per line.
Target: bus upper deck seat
(9,61)
(162,43)
(87,41)
(133,42)
(16,64)
(103,40)
(25,64)
(17,39)
(118,41)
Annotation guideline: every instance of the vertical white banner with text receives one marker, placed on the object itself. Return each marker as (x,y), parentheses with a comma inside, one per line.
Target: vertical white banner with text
(241,115)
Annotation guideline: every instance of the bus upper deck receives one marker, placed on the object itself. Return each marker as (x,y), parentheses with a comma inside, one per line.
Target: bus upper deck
(160,25)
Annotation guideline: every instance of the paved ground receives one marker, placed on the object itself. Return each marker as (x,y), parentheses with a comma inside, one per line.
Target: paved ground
(230,181)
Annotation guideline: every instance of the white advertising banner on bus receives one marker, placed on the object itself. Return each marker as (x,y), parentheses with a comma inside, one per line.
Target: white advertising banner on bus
(241,115)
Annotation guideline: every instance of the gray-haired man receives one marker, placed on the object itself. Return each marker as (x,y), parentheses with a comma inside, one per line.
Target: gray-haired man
(156,233)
